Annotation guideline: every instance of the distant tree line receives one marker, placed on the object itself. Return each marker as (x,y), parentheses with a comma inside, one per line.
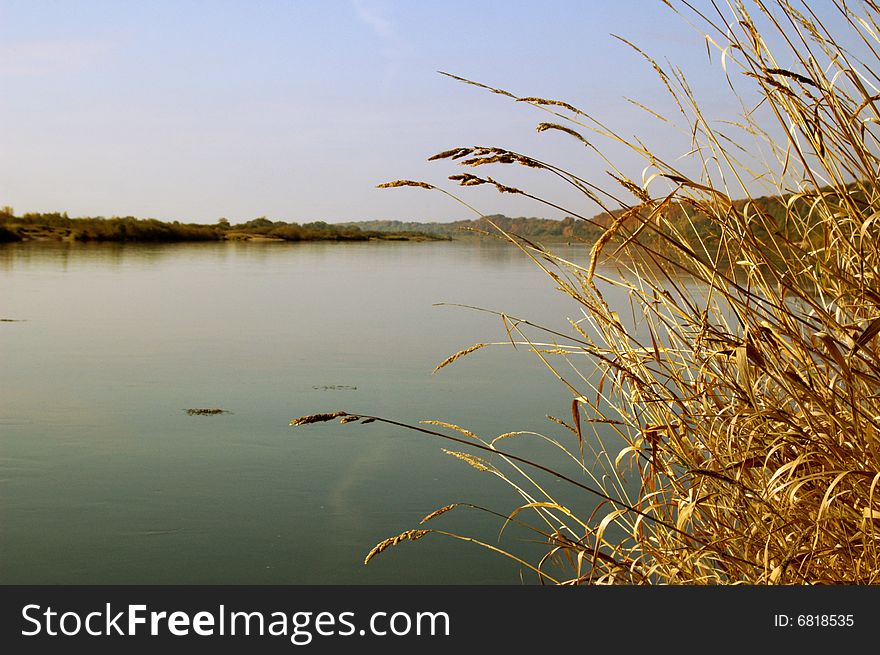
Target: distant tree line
(538,228)
(60,226)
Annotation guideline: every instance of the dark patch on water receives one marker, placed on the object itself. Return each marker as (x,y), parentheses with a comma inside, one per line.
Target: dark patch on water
(213,411)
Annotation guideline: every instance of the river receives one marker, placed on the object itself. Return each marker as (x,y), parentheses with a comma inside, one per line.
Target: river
(106,479)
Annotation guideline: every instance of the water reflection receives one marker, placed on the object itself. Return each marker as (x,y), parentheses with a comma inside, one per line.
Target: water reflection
(119,339)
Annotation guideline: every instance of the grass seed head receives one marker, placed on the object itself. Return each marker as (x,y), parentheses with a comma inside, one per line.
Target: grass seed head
(317,418)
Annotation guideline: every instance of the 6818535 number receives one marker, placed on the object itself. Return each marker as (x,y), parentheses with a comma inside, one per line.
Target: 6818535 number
(814,620)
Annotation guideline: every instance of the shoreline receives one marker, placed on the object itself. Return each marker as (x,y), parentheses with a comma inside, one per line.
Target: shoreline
(13,233)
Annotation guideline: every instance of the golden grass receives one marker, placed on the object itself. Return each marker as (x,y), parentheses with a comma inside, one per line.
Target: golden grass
(746,399)
(411,535)
(439,511)
(460,353)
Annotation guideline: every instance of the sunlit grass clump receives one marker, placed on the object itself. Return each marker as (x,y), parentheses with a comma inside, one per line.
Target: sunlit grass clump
(731,432)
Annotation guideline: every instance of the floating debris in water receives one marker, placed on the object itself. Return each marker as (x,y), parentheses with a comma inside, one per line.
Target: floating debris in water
(334,387)
(158,533)
(206,412)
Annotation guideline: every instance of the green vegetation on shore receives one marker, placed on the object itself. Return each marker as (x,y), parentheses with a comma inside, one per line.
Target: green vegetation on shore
(59,227)
(537,228)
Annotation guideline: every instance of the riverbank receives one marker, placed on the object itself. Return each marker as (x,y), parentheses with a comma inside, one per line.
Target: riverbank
(59,227)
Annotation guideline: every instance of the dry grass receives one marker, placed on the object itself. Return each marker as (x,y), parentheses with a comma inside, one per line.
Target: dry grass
(747,401)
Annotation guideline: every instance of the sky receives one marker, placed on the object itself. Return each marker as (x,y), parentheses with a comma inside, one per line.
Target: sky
(295,110)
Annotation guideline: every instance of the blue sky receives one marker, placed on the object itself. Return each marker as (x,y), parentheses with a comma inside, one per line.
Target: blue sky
(295,110)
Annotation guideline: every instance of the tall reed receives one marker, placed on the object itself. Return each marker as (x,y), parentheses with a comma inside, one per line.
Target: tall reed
(747,401)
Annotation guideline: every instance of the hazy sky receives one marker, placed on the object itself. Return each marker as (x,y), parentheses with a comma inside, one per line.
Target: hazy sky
(295,109)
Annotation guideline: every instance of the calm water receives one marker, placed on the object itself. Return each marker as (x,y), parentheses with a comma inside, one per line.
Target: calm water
(105,479)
